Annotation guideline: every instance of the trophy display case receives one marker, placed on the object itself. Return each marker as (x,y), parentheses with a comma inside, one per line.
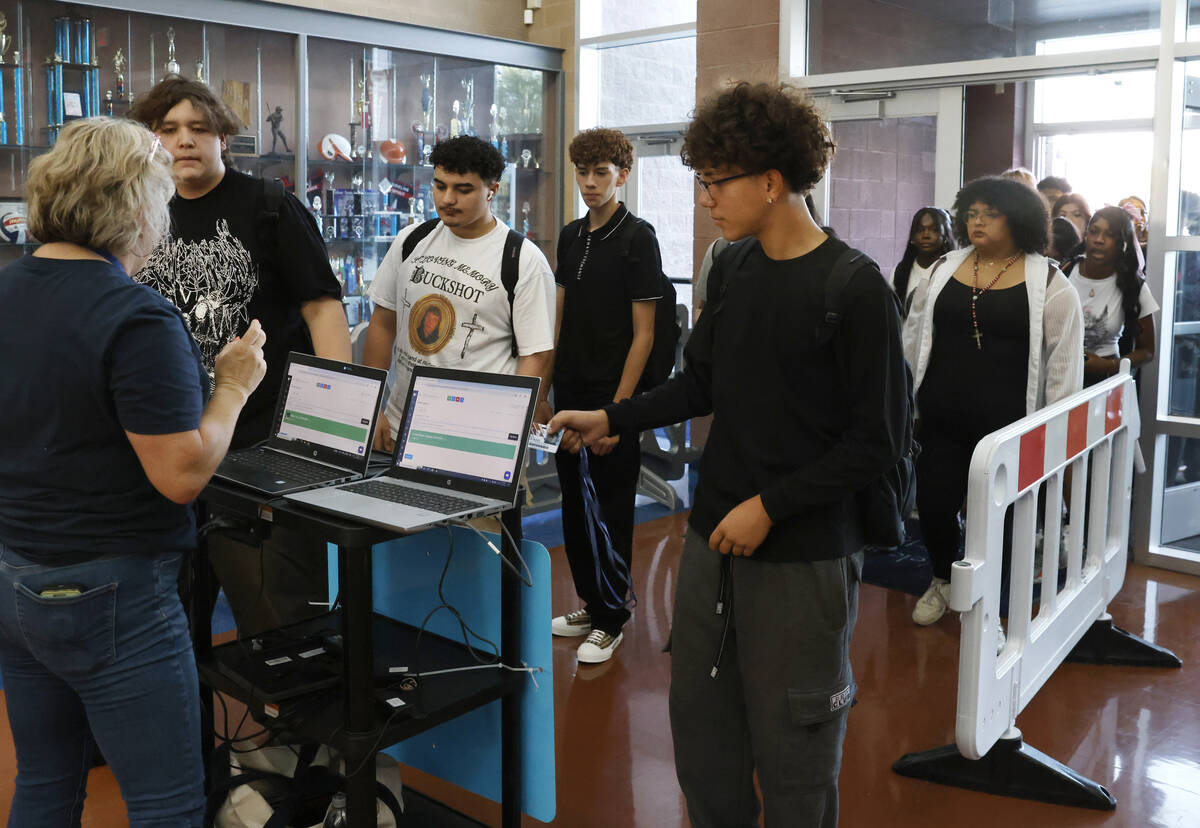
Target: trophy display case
(375,116)
(352,142)
(63,61)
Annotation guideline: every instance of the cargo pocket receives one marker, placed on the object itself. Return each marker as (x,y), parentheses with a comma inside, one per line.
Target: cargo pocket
(812,749)
(69,636)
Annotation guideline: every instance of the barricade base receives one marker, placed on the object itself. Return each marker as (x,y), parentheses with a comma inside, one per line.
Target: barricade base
(1010,768)
(1106,643)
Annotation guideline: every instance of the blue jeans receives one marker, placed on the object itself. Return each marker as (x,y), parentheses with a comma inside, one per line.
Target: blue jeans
(115,664)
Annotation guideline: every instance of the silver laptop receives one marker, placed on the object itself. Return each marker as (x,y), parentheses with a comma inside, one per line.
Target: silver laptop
(459,452)
(322,432)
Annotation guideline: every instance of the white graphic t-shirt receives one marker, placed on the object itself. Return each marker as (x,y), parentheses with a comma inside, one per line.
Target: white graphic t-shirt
(1103,314)
(452,310)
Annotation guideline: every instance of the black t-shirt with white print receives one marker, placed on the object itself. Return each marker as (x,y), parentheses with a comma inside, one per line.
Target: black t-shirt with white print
(226,263)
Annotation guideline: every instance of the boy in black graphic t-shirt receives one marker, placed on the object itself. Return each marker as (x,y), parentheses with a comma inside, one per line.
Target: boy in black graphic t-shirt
(608,284)
(227,262)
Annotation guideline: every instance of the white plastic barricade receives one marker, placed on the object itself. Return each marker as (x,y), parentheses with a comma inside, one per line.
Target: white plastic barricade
(1095,429)
(1086,443)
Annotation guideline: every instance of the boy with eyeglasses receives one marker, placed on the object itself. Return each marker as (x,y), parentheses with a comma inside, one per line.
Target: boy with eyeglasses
(767,594)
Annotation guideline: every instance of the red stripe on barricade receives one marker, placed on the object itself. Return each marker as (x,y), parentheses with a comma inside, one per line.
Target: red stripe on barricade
(1077,423)
(1114,411)
(1032,458)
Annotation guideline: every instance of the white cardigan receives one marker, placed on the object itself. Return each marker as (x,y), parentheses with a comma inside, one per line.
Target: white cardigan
(1055,328)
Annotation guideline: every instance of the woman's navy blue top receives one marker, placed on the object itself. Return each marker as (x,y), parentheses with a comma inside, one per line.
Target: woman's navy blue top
(87,355)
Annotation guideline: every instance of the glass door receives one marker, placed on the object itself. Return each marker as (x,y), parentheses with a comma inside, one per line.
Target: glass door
(896,152)
(660,190)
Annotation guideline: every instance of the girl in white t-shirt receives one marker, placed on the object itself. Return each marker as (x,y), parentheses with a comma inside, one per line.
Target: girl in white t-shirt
(1118,308)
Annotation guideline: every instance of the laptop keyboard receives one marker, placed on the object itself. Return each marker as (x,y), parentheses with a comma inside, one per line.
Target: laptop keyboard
(281,465)
(440,503)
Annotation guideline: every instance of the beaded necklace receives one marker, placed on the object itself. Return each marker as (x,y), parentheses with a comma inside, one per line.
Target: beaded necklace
(976,293)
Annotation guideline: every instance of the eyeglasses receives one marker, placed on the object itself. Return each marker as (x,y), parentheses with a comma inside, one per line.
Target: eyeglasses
(154,145)
(985,216)
(708,185)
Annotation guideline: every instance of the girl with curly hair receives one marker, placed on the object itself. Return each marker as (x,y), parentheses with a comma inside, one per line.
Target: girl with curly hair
(1000,336)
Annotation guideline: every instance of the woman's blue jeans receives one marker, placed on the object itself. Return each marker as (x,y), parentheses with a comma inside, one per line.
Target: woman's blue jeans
(114,663)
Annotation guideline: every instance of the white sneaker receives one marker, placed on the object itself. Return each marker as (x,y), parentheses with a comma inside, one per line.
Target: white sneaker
(598,647)
(572,624)
(932,605)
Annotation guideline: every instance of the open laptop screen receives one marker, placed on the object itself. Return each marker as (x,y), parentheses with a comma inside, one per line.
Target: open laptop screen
(329,409)
(466,429)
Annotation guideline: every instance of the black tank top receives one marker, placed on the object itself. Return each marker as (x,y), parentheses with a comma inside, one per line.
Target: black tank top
(970,389)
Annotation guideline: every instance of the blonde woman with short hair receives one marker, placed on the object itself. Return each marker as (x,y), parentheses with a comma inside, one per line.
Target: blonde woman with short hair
(105,439)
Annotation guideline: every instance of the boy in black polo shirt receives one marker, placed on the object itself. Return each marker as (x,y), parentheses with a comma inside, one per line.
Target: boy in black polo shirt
(608,282)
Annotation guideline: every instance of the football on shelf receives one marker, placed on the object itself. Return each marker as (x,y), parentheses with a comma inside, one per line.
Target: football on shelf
(334,146)
(392,151)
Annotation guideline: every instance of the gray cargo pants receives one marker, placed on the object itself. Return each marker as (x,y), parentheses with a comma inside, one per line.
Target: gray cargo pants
(782,689)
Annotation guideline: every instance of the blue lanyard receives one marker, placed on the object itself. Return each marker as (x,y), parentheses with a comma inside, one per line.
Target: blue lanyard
(605,559)
(110,257)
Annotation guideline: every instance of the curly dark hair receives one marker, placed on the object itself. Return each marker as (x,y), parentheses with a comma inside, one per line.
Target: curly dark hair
(600,145)
(468,154)
(1128,270)
(941,220)
(152,107)
(1022,206)
(759,127)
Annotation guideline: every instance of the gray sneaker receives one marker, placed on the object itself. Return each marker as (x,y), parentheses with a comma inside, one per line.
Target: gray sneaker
(598,647)
(572,624)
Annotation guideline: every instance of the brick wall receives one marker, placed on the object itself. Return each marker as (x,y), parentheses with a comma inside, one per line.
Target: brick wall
(882,174)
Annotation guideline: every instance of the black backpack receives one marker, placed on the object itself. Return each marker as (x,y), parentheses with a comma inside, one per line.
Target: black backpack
(510,263)
(667,331)
(886,502)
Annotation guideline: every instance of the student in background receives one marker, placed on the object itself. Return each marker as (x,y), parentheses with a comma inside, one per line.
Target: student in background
(1052,188)
(1118,308)
(1064,240)
(1074,208)
(609,282)
(231,257)
(930,237)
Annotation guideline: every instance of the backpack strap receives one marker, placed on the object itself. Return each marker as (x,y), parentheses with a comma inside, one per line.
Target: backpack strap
(414,238)
(510,270)
(843,271)
(273,195)
(268,218)
(729,262)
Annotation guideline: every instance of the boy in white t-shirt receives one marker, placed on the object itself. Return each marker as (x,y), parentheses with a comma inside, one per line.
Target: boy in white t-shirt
(445,304)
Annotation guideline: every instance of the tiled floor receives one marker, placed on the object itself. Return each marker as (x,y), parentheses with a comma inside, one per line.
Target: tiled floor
(1135,730)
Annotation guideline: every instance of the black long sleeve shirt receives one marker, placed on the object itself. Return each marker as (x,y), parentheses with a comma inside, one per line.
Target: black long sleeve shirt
(802,419)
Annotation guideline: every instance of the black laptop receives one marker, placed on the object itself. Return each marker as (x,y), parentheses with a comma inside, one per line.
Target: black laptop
(322,432)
